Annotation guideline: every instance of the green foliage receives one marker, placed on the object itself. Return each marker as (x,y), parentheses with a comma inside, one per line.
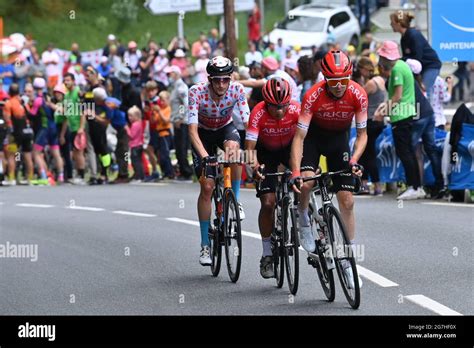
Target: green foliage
(88,22)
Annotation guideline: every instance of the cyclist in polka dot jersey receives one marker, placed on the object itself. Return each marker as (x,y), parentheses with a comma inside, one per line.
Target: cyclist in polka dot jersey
(211,105)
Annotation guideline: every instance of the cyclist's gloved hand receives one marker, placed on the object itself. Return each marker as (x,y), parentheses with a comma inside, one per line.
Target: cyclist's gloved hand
(296,181)
(258,172)
(357,169)
(209,161)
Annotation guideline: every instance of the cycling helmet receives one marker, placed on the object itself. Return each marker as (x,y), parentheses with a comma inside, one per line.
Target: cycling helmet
(336,64)
(276,91)
(219,66)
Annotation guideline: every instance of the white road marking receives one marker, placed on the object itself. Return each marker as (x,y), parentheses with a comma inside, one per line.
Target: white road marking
(432,305)
(31,205)
(196,223)
(370,275)
(363,197)
(375,277)
(76,207)
(447,204)
(122,212)
(148,184)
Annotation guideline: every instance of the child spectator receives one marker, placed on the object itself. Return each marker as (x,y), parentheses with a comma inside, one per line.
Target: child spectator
(135,135)
(162,117)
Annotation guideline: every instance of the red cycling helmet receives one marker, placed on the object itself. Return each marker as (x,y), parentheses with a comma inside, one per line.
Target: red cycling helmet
(336,64)
(277,91)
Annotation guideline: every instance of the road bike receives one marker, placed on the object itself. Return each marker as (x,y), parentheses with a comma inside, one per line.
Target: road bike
(224,227)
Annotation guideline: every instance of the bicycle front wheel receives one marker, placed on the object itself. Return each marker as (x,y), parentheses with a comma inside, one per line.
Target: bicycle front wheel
(277,248)
(325,275)
(290,245)
(232,235)
(215,233)
(343,257)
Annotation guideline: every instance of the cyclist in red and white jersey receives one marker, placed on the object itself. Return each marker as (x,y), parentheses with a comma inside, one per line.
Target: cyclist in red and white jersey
(327,111)
(211,106)
(272,126)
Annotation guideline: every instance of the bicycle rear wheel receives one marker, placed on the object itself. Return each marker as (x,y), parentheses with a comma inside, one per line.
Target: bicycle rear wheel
(290,245)
(232,235)
(277,248)
(343,256)
(325,275)
(215,233)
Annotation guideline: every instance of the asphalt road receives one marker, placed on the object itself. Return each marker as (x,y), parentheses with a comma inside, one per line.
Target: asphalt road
(94,257)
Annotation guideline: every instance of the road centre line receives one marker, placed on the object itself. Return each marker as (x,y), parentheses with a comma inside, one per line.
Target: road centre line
(430,304)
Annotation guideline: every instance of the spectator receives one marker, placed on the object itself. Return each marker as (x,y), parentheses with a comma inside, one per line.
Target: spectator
(75,124)
(213,38)
(442,91)
(115,62)
(135,136)
(271,52)
(462,73)
(75,52)
(14,114)
(253,55)
(179,118)
(256,73)
(104,67)
(424,129)
(308,78)
(7,72)
(60,117)
(51,60)
(368,43)
(181,62)
(130,94)
(270,69)
(200,67)
(159,65)
(112,41)
(220,50)
(317,65)
(118,120)
(175,45)
(253,26)
(281,49)
(376,95)
(162,117)
(415,46)
(291,68)
(401,109)
(131,58)
(199,45)
(98,118)
(145,64)
(151,103)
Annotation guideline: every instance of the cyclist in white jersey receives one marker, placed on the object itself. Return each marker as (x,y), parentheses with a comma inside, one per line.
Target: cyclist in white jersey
(211,106)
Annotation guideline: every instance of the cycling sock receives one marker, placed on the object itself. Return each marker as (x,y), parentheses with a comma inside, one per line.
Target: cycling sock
(43,174)
(353,246)
(303,217)
(81,173)
(1,167)
(267,246)
(236,188)
(204,225)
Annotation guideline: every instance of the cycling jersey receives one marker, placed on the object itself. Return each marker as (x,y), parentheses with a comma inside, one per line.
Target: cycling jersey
(271,133)
(208,114)
(329,113)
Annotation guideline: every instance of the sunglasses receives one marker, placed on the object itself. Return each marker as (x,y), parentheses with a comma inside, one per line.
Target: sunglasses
(220,79)
(278,106)
(343,81)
